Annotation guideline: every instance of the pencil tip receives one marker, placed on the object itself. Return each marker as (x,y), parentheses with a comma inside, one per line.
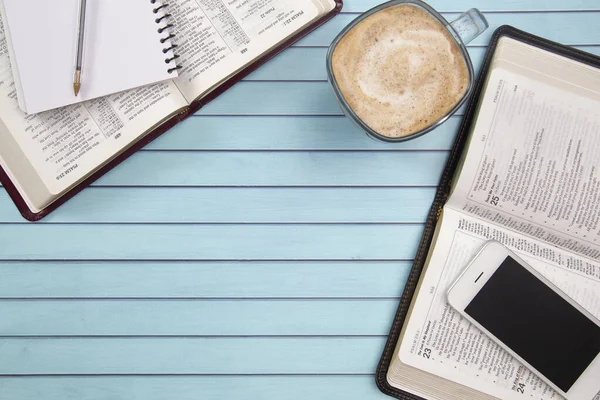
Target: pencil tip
(76,87)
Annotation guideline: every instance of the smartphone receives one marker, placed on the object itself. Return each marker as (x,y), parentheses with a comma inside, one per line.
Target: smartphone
(531,319)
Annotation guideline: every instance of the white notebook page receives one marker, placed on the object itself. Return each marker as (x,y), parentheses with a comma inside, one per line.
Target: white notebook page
(122,49)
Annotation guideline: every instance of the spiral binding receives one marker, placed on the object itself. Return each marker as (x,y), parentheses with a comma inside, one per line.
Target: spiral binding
(163,18)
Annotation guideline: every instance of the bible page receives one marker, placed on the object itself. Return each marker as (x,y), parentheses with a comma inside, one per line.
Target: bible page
(216,38)
(534,157)
(65,145)
(439,340)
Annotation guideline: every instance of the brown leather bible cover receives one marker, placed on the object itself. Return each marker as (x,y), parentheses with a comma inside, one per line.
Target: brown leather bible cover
(192,109)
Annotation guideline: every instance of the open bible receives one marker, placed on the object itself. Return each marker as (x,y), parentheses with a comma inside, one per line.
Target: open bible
(46,158)
(524,171)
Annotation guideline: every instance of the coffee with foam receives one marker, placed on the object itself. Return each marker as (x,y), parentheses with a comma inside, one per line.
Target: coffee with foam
(400,70)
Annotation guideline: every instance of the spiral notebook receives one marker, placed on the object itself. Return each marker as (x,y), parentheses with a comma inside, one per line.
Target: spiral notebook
(124,49)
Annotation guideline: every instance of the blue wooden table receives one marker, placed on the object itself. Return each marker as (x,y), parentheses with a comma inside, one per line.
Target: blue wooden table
(257,251)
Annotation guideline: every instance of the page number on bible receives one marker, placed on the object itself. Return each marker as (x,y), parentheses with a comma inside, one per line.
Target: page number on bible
(427,353)
(521,388)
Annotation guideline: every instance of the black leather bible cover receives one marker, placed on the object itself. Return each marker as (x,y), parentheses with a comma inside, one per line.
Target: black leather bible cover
(445,184)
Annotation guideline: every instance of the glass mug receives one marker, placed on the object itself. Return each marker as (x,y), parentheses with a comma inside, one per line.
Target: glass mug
(463,30)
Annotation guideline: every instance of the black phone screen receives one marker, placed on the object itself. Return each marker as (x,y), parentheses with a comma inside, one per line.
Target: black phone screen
(539,325)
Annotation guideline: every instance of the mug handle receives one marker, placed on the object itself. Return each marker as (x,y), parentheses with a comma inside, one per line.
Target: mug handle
(470,25)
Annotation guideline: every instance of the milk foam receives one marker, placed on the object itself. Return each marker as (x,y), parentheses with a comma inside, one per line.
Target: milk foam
(400,70)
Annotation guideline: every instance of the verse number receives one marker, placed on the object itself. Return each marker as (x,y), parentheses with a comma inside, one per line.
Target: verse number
(427,353)
(521,388)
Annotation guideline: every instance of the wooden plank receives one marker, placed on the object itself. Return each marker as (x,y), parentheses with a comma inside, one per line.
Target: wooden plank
(572,28)
(203,280)
(239,205)
(209,242)
(290,133)
(355,6)
(294,63)
(196,318)
(124,356)
(306,63)
(192,388)
(248,169)
(276,98)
